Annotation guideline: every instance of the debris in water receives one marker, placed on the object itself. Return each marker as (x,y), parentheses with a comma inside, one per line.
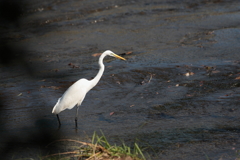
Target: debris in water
(72,65)
(145,79)
(237,78)
(189,74)
(96,54)
(126,53)
(52,87)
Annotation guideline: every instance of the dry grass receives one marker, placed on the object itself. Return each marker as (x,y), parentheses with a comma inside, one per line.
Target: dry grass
(98,149)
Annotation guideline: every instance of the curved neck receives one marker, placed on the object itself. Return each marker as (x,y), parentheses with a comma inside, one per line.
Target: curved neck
(100,72)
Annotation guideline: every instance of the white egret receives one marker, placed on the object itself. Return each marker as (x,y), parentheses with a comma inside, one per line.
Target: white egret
(76,93)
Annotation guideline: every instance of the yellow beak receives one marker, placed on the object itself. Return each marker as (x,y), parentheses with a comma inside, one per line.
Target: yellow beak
(119,57)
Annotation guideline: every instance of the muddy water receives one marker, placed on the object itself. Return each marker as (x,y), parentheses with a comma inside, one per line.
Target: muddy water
(177,94)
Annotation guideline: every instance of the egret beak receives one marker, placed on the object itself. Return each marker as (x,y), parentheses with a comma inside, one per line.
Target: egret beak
(119,57)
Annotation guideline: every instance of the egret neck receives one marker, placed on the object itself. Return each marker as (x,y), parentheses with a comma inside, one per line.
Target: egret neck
(100,72)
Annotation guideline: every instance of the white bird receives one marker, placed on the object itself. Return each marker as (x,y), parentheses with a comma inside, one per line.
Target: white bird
(76,93)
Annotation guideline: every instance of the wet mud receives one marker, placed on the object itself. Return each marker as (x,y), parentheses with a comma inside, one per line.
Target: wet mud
(177,94)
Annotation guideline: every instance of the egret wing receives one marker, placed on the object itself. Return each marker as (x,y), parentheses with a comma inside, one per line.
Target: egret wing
(73,95)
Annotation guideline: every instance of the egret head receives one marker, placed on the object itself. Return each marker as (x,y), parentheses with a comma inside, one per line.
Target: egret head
(110,53)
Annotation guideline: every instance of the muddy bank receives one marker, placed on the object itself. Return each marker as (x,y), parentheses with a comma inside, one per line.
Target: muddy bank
(178,91)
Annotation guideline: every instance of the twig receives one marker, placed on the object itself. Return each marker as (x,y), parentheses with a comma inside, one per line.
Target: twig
(150,78)
(84,143)
(56,154)
(94,155)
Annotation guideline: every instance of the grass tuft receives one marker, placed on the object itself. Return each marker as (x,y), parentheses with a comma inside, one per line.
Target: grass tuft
(98,149)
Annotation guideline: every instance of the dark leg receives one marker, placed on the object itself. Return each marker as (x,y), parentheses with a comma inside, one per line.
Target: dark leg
(58,120)
(76,117)
(76,122)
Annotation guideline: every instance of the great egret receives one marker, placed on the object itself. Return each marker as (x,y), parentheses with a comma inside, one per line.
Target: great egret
(75,94)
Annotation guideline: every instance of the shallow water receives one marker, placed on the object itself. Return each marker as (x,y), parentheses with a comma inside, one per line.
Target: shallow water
(177,93)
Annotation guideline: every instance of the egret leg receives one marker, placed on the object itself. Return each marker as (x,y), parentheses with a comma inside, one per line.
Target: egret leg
(76,117)
(58,120)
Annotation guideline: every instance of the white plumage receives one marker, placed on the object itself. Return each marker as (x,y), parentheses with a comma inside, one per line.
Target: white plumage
(76,93)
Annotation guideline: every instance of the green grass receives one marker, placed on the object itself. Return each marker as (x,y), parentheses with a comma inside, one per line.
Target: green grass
(98,149)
